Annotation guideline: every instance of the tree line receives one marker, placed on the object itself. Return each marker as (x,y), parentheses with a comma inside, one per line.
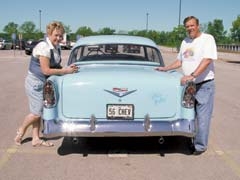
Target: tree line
(28,30)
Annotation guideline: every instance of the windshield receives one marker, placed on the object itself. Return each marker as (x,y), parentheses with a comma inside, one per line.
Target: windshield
(113,52)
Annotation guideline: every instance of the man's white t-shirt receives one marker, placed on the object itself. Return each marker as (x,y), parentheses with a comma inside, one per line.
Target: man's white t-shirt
(192,52)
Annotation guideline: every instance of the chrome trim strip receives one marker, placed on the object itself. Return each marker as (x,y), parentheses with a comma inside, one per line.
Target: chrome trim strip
(147,123)
(92,123)
(180,127)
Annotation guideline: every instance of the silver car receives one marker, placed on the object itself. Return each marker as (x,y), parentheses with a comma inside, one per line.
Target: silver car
(5,44)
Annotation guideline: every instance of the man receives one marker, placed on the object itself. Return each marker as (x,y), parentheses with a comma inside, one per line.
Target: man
(196,56)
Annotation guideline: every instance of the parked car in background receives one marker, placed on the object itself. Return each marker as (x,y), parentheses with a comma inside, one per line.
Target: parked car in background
(5,44)
(65,43)
(30,45)
(118,92)
(19,44)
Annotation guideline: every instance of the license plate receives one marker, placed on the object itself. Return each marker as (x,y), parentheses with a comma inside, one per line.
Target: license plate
(120,111)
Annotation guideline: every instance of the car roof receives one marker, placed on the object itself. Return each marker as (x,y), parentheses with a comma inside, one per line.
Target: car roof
(115,39)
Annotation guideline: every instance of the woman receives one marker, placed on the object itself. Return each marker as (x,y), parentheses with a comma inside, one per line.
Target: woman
(45,61)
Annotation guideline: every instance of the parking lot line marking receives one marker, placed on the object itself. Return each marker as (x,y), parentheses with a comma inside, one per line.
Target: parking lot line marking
(117,155)
(7,155)
(9,152)
(227,159)
(39,150)
(234,166)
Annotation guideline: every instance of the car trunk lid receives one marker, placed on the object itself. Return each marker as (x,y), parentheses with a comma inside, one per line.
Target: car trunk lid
(95,89)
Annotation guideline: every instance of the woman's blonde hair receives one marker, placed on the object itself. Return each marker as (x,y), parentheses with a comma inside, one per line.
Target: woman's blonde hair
(55,25)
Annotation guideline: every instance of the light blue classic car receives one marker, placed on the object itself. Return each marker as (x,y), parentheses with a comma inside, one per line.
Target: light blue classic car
(117,92)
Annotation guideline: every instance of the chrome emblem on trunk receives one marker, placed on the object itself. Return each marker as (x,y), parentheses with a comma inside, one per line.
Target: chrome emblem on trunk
(120,92)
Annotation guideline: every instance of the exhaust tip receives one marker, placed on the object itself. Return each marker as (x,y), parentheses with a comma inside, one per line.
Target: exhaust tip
(161,140)
(75,140)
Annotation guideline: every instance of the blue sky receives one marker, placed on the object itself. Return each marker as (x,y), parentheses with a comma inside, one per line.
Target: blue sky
(124,15)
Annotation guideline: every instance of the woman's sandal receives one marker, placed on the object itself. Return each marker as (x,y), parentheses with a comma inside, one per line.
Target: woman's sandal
(18,138)
(43,143)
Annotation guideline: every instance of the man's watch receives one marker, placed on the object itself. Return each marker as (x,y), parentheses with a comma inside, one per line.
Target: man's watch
(192,74)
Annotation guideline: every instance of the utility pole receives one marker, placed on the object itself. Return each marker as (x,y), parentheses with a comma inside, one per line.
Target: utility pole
(40,19)
(179,16)
(147,22)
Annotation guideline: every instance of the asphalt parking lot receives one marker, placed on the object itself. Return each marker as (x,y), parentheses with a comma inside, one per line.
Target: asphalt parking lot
(120,158)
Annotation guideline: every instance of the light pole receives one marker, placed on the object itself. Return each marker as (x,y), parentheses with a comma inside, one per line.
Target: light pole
(179,16)
(40,11)
(147,22)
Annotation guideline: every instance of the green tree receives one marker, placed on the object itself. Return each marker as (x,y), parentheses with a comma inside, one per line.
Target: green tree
(216,29)
(84,31)
(154,35)
(11,28)
(133,32)
(235,30)
(28,27)
(176,36)
(107,31)
(138,33)
(163,38)
(28,30)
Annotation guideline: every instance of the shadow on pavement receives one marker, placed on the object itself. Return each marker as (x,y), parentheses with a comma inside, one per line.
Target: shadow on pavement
(125,145)
(234,62)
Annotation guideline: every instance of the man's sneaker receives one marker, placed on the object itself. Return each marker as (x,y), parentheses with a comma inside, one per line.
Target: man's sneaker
(196,153)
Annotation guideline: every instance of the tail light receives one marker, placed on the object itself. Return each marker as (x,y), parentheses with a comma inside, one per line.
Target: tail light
(188,99)
(49,96)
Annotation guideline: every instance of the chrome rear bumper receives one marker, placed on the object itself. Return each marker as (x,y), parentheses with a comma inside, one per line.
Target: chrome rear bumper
(93,128)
